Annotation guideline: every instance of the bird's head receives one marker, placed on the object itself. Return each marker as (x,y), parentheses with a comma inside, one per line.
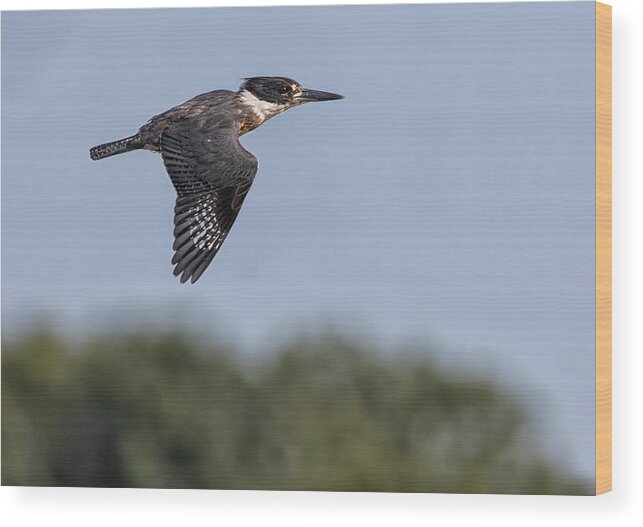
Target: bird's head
(276,94)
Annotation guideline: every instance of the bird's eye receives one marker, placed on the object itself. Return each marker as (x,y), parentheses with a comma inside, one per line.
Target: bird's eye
(284,90)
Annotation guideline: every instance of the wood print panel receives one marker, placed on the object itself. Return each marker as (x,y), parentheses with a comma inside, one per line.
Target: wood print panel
(603,248)
(413,298)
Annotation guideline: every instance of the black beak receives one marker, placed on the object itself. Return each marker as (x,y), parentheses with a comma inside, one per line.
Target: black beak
(316,95)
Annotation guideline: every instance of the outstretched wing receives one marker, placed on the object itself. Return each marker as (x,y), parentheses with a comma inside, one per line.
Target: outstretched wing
(212,174)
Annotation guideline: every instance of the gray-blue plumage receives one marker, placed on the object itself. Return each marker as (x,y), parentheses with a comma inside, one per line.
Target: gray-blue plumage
(210,170)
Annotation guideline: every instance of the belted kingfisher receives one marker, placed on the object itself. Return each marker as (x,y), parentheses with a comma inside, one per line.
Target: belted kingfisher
(210,170)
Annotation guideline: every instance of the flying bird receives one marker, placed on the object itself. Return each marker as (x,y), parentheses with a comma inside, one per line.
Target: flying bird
(210,170)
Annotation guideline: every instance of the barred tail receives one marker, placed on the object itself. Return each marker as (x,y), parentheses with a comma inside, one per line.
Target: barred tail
(116,147)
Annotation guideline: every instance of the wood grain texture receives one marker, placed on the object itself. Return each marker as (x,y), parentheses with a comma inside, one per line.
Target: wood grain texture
(603,248)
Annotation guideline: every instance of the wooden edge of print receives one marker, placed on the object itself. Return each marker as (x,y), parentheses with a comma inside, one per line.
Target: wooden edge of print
(603,248)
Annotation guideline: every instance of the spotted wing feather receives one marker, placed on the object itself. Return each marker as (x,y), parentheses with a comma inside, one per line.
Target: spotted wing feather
(212,174)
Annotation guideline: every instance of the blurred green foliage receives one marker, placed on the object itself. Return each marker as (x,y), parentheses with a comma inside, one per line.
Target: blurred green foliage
(164,410)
